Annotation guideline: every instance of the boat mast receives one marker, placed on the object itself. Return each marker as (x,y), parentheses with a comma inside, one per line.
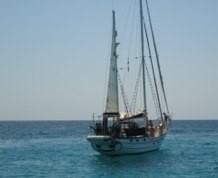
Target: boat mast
(112,101)
(143,57)
(152,67)
(157,58)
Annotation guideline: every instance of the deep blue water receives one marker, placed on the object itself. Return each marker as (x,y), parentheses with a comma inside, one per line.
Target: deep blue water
(58,149)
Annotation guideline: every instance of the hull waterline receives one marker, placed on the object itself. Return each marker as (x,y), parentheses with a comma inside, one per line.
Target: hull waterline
(121,146)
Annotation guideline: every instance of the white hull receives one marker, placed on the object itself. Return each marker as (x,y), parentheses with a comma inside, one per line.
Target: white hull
(120,146)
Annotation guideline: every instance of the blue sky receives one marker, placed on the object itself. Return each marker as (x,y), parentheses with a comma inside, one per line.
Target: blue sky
(53,56)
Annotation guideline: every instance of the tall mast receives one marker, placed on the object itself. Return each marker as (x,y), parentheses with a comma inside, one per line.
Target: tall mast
(157,58)
(152,67)
(143,57)
(112,101)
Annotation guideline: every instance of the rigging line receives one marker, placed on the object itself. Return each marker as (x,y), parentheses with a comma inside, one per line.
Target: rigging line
(125,26)
(152,91)
(132,30)
(133,102)
(124,34)
(157,57)
(152,66)
(125,101)
(131,37)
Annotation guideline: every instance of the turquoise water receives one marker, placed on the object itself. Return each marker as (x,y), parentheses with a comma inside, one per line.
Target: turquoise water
(58,149)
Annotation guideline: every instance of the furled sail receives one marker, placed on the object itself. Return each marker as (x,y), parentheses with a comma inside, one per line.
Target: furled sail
(112,101)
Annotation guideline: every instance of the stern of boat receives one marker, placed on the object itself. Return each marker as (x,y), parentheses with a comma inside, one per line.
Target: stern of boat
(104,144)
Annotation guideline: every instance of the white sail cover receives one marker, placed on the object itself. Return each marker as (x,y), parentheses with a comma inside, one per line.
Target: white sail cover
(112,103)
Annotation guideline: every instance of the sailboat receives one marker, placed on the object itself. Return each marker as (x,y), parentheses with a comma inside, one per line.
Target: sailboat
(120,133)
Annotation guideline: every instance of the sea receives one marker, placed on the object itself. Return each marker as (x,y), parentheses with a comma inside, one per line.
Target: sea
(59,149)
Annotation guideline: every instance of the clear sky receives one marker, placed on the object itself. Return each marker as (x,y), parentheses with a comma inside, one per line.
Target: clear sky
(53,56)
